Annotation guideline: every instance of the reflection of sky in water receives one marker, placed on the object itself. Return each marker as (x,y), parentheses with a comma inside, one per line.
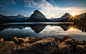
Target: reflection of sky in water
(49,31)
(57,31)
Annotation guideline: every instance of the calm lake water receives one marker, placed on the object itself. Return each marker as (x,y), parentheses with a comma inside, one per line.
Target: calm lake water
(42,30)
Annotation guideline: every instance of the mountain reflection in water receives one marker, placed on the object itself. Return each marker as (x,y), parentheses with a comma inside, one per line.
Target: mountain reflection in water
(42,30)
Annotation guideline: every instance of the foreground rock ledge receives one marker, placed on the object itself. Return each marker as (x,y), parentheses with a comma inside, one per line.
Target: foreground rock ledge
(53,45)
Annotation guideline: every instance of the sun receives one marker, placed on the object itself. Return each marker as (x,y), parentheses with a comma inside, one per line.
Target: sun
(73,14)
(71,28)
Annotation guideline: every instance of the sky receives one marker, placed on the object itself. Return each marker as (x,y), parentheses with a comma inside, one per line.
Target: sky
(50,8)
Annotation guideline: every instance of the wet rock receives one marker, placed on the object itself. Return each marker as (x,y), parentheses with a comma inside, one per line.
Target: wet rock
(25,44)
(27,38)
(68,37)
(80,48)
(34,47)
(38,39)
(23,40)
(65,37)
(63,48)
(1,40)
(54,43)
(85,46)
(16,40)
(56,39)
(44,48)
(7,47)
(80,42)
(34,40)
(58,42)
(84,42)
(62,39)
(69,41)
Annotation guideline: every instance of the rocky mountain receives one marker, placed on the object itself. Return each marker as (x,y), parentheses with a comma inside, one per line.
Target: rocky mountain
(37,16)
(4,18)
(66,15)
(77,19)
(18,18)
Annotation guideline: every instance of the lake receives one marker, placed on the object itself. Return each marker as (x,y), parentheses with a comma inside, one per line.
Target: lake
(42,30)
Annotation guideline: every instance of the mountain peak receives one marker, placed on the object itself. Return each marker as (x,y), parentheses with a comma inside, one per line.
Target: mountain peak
(37,16)
(20,16)
(67,14)
(37,12)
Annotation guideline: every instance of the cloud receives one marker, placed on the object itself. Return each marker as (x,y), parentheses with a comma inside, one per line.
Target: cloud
(5,9)
(13,2)
(24,12)
(52,1)
(2,5)
(29,3)
(50,10)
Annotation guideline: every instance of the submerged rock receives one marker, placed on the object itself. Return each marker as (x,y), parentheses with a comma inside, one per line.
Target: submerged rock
(1,40)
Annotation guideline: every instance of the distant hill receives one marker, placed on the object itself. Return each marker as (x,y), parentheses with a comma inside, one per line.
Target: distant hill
(18,18)
(65,16)
(4,18)
(78,19)
(37,16)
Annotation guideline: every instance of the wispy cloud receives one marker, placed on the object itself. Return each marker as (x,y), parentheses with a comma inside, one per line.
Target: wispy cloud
(24,12)
(5,9)
(13,2)
(52,1)
(2,5)
(30,3)
(50,10)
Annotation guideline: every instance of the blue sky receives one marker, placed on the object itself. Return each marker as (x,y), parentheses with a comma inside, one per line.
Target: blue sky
(50,8)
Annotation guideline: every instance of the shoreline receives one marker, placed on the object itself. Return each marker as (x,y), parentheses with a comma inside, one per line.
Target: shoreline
(53,45)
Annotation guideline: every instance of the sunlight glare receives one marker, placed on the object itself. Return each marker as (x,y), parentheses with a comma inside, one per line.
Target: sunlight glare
(52,28)
(71,28)
(73,14)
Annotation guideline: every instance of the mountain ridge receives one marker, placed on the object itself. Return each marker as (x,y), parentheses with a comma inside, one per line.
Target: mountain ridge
(37,16)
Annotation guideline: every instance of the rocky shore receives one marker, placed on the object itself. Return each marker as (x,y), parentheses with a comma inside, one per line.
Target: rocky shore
(53,45)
